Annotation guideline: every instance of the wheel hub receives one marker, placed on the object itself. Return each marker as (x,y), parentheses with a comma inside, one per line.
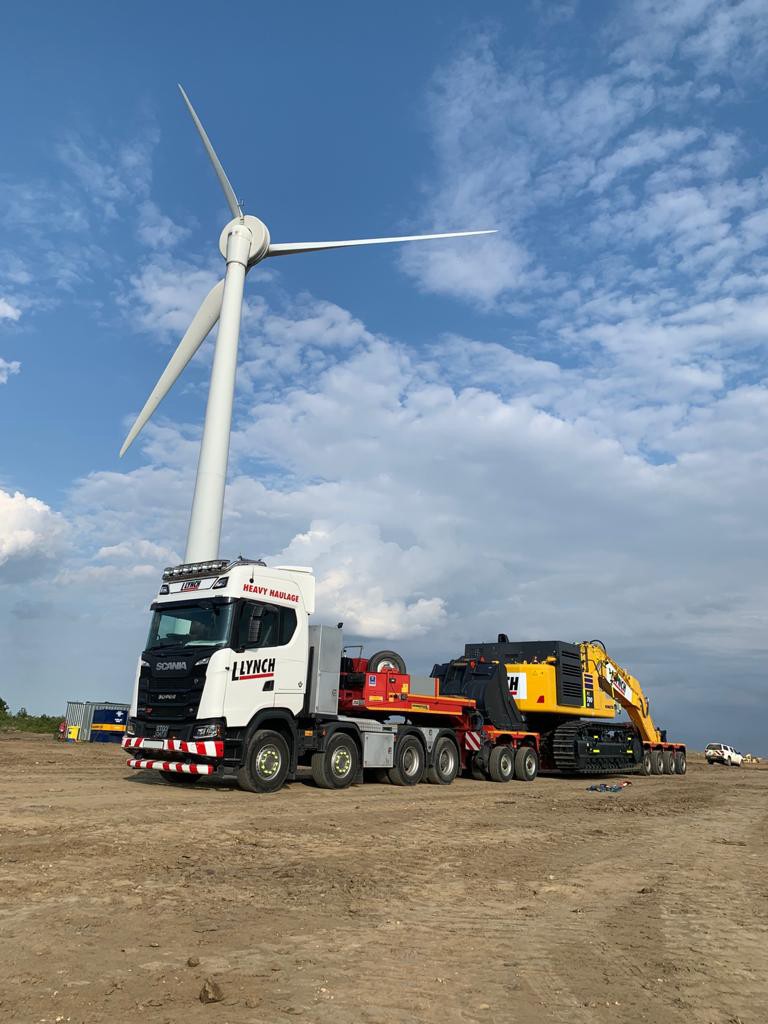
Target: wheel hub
(268,762)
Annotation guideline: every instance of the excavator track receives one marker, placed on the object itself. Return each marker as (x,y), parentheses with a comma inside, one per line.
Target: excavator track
(595,748)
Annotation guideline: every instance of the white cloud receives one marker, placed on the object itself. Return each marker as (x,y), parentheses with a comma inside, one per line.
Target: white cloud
(8,311)
(166,293)
(31,536)
(7,369)
(156,230)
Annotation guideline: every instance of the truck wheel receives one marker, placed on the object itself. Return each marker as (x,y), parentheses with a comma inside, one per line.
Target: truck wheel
(657,763)
(645,764)
(266,762)
(408,769)
(526,764)
(501,764)
(337,765)
(668,762)
(181,777)
(383,661)
(445,762)
(681,764)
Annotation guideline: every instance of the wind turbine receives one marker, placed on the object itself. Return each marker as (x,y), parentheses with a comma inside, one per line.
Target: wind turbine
(244,242)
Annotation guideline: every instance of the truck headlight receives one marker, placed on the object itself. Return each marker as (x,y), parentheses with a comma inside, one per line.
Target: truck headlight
(209,731)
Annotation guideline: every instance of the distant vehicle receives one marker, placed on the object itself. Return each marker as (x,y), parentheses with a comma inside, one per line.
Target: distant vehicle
(721,753)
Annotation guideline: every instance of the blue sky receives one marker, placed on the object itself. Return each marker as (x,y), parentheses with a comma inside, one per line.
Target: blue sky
(559,431)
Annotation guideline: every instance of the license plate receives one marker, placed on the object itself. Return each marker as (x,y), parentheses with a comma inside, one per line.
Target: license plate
(161,730)
(153,744)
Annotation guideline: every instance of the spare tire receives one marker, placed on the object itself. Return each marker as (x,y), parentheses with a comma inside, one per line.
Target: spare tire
(383,661)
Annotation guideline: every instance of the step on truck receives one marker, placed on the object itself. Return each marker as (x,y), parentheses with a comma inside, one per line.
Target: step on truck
(234,683)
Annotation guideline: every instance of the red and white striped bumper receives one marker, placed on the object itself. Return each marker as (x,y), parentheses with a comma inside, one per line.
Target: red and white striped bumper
(172,766)
(203,748)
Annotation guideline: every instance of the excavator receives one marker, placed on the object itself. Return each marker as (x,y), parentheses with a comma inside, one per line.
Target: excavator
(571,694)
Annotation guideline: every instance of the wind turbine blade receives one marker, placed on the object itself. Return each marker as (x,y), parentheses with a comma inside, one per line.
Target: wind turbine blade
(288,248)
(229,192)
(201,326)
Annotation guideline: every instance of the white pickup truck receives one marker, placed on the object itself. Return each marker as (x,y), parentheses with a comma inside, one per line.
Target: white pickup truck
(721,753)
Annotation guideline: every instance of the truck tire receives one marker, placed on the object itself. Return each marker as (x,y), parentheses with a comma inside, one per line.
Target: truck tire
(176,778)
(445,762)
(668,762)
(681,763)
(408,769)
(266,762)
(383,660)
(337,765)
(526,764)
(501,764)
(657,764)
(645,763)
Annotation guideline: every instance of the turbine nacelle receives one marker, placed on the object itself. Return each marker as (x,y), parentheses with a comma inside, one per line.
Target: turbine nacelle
(260,239)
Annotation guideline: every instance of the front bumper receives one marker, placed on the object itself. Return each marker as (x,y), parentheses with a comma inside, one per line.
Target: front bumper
(172,766)
(200,748)
(212,749)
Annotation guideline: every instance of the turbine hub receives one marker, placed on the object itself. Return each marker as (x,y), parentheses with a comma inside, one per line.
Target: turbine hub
(259,238)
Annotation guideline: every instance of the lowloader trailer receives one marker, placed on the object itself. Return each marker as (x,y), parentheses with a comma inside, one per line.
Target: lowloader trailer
(234,683)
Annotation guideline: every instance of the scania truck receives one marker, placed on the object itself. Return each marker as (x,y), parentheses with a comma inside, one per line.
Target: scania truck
(235,683)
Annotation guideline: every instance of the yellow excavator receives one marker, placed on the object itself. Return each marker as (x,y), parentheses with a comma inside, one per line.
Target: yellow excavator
(571,694)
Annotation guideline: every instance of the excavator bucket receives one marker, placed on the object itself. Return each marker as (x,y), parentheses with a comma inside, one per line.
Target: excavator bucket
(485,682)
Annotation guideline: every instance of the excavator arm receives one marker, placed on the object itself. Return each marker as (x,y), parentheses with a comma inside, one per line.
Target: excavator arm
(622,687)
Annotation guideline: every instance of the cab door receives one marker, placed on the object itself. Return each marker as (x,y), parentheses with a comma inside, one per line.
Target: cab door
(267,659)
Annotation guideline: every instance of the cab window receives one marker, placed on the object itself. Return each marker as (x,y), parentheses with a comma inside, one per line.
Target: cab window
(264,625)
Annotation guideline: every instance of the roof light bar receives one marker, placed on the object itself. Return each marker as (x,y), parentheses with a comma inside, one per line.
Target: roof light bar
(192,569)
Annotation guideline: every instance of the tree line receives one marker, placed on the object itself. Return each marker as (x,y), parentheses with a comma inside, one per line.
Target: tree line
(25,722)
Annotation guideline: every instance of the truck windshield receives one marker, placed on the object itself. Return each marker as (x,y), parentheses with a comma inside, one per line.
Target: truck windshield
(198,624)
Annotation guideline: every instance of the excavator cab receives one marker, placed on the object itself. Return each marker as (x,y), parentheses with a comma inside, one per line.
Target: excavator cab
(486,683)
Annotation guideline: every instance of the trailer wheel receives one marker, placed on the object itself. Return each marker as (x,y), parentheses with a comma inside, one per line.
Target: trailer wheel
(182,778)
(337,765)
(645,764)
(657,762)
(501,764)
(668,762)
(383,661)
(526,764)
(408,769)
(445,762)
(681,764)
(266,762)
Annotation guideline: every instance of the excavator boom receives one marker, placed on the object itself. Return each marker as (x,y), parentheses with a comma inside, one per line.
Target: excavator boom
(622,687)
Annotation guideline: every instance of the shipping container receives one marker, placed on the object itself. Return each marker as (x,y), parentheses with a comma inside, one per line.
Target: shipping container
(95,721)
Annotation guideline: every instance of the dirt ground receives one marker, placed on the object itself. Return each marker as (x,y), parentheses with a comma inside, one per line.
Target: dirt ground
(120,895)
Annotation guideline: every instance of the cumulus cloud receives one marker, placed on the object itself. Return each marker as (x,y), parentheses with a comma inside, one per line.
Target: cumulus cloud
(166,293)
(32,535)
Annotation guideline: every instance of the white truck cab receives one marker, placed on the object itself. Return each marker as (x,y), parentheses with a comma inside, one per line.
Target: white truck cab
(226,640)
